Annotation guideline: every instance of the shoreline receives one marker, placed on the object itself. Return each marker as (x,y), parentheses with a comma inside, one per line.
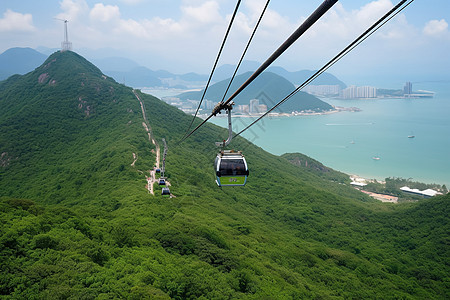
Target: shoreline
(336,109)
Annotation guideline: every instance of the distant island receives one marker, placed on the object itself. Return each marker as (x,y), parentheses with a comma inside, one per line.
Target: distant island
(262,94)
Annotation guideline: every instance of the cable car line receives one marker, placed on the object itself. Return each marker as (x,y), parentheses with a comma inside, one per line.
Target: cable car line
(245,50)
(377,25)
(316,15)
(165,191)
(215,64)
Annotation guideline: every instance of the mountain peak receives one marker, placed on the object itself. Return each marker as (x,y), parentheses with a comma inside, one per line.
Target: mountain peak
(61,66)
(67,83)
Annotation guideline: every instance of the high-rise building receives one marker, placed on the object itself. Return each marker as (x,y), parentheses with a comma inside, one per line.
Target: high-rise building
(407,89)
(254,106)
(208,105)
(359,92)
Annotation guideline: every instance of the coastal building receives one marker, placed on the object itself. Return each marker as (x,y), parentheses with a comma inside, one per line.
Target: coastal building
(409,93)
(254,106)
(262,108)
(323,90)
(208,105)
(353,92)
(425,193)
(407,89)
(243,109)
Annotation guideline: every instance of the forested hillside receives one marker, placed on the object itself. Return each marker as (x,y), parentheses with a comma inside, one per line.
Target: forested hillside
(77,221)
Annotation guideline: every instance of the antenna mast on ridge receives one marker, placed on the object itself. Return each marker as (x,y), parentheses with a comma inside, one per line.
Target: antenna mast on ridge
(65,45)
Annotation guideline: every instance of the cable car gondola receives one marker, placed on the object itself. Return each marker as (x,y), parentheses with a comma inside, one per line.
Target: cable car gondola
(165,191)
(162,181)
(231,168)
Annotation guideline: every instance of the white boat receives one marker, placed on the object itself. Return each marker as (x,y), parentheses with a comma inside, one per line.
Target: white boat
(376,158)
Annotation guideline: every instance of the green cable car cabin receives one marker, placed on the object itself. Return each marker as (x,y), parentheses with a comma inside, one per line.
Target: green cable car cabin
(231,168)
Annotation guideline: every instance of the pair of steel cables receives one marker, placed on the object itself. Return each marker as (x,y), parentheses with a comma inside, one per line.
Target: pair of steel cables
(316,15)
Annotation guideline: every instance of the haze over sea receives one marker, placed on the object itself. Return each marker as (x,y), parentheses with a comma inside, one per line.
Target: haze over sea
(348,141)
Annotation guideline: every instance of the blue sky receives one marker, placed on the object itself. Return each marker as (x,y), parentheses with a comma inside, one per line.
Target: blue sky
(185,35)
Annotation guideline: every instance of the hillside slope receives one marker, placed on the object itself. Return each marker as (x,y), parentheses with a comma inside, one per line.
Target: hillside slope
(78,222)
(269,88)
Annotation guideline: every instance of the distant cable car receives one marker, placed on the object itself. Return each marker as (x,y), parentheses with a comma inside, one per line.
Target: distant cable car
(231,169)
(162,181)
(165,191)
(158,170)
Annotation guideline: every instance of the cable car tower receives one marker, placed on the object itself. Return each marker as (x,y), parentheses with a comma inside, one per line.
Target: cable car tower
(65,45)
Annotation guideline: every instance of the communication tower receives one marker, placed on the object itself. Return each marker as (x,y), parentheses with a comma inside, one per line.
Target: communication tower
(65,45)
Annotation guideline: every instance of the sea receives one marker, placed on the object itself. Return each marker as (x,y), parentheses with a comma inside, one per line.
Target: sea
(373,143)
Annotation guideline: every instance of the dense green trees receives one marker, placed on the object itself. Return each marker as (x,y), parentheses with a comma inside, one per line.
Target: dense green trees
(77,221)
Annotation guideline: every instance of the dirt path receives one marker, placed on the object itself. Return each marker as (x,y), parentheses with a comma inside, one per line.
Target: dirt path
(135,158)
(150,179)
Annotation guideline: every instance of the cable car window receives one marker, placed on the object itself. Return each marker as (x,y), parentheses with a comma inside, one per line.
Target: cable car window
(231,167)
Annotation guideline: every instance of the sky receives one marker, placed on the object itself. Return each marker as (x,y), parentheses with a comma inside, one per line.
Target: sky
(185,35)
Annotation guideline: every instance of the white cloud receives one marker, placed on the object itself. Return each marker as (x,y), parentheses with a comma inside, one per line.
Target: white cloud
(104,13)
(72,9)
(207,12)
(435,27)
(16,22)
(192,38)
(372,11)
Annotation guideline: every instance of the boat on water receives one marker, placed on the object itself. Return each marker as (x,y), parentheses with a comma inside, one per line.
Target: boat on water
(376,158)
(411,136)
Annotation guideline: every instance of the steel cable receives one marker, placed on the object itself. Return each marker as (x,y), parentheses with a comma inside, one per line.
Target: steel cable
(215,64)
(377,25)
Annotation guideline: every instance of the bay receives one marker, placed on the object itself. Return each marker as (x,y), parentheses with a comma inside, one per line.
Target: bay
(348,141)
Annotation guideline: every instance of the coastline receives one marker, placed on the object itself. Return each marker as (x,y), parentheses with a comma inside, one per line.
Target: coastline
(336,109)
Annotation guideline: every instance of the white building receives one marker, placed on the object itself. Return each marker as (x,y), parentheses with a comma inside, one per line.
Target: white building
(323,90)
(353,92)
(254,106)
(244,109)
(262,108)
(424,193)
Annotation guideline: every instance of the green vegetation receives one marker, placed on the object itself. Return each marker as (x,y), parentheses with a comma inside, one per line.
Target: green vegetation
(309,164)
(78,222)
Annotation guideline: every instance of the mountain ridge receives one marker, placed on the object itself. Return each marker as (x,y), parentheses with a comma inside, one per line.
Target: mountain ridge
(297,77)
(128,71)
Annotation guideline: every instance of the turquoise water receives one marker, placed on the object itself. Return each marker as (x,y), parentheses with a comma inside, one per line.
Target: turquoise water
(348,141)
